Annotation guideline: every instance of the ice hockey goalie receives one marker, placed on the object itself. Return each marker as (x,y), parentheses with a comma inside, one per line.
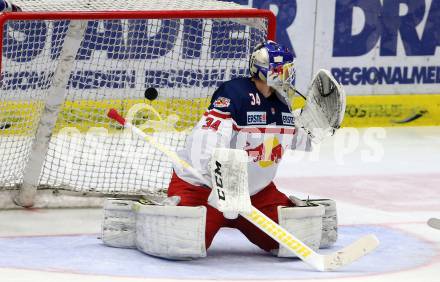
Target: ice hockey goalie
(253,114)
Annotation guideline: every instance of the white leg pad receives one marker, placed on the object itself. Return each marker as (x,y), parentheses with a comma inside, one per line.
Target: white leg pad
(172,232)
(118,226)
(304,222)
(329,222)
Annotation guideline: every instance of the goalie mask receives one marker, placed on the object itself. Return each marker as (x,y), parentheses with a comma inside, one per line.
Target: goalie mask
(274,64)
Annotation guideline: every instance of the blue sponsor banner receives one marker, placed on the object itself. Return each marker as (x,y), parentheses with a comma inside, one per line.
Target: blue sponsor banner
(384,24)
(370,46)
(131,42)
(387,75)
(135,40)
(380,46)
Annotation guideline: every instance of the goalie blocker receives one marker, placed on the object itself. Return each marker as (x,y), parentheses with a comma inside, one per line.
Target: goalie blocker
(178,232)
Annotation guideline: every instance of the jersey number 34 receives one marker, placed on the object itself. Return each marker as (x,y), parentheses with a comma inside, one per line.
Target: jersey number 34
(211,123)
(255,99)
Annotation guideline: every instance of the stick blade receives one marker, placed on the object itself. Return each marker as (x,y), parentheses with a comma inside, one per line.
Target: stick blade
(434,223)
(351,253)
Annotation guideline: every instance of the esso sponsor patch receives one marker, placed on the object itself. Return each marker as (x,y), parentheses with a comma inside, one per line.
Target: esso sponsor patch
(288,119)
(222,102)
(256,118)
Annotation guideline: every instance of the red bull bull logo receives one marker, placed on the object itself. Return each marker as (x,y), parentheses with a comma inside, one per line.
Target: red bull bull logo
(222,102)
(267,153)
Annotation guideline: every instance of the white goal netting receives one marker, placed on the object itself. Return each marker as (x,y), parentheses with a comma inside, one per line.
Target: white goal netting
(118,59)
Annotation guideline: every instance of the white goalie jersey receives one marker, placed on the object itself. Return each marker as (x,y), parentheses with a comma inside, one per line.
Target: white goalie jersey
(240,117)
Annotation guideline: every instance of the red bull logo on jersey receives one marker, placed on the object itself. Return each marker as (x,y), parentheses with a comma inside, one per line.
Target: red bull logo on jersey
(256,118)
(222,102)
(266,154)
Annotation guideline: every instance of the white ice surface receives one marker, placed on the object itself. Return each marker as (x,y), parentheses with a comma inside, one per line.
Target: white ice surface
(392,195)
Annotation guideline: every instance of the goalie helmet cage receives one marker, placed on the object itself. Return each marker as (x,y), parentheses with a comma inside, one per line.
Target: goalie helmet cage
(65,63)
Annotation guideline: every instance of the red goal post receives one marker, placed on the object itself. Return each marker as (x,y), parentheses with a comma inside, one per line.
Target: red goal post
(54,93)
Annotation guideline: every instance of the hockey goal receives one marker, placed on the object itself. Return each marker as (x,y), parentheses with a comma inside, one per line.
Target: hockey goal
(65,63)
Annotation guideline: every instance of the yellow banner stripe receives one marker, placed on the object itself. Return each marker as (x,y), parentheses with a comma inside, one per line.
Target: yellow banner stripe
(390,110)
(21,117)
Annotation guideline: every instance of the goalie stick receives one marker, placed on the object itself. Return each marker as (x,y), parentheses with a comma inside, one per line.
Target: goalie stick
(434,223)
(319,262)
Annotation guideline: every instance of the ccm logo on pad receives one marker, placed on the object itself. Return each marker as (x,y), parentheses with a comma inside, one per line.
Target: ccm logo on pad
(219,181)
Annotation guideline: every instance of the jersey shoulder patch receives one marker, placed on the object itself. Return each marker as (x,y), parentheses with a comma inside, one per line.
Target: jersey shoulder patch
(221,102)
